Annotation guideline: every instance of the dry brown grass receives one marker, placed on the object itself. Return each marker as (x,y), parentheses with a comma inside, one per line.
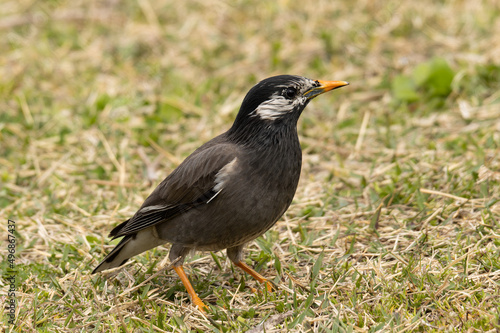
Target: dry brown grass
(394,227)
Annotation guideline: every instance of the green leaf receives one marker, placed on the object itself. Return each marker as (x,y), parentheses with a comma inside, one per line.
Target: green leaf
(434,76)
(440,78)
(404,89)
(421,73)
(317,265)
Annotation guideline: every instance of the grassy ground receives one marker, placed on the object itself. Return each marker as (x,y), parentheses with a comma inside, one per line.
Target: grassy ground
(395,225)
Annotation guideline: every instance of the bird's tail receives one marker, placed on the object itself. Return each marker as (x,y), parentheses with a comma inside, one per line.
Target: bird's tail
(129,246)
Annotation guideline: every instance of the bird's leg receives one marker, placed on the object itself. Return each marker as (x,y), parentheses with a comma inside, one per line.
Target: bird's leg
(185,281)
(256,275)
(235,255)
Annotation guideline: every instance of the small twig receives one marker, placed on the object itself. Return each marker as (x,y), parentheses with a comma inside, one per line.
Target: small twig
(47,173)
(110,183)
(485,174)
(295,281)
(433,215)
(270,322)
(362,131)
(424,190)
(161,270)
(172,158)
(151,173)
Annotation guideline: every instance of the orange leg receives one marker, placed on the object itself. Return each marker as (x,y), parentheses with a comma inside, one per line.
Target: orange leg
(185,281)
(256,275)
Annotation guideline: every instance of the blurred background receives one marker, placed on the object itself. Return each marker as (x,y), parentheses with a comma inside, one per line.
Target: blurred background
(100,100)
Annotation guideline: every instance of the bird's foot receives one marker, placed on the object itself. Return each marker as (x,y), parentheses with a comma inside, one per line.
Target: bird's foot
(195,299)
(269,286)
(199,303)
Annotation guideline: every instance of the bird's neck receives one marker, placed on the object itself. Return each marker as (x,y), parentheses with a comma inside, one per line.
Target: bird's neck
(266,136)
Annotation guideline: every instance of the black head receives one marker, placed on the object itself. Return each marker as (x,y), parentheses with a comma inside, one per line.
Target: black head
(278,101)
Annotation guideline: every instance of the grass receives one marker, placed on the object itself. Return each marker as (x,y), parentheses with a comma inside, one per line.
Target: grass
(395,224)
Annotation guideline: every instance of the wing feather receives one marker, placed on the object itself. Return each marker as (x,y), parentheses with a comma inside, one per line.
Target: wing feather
(190,185)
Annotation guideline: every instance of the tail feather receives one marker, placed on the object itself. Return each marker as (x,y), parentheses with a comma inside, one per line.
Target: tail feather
(129,246)
(117,229)
(111,260)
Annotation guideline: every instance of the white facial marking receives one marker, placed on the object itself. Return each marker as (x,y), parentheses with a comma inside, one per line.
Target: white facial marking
(278,105)
(223,175)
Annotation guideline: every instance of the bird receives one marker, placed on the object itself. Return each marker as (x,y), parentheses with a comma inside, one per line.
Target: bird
(230,190)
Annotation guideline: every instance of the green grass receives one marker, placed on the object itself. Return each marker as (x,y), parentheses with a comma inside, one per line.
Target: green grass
(395,224)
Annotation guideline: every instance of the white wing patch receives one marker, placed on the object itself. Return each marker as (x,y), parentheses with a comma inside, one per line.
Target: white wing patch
(213,197)
(150,208)
(223,175)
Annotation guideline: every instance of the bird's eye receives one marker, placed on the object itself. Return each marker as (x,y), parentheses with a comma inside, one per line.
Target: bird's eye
(290,92)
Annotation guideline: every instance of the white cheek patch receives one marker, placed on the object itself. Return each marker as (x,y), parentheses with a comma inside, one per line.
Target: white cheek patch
(277,107)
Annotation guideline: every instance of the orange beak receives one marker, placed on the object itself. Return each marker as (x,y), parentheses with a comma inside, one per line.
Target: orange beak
(324,87)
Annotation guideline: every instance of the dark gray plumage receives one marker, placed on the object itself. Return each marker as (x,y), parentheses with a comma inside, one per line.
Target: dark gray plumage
(231,189)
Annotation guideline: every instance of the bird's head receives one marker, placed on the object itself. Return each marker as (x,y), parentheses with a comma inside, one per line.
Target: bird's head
(278,101)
